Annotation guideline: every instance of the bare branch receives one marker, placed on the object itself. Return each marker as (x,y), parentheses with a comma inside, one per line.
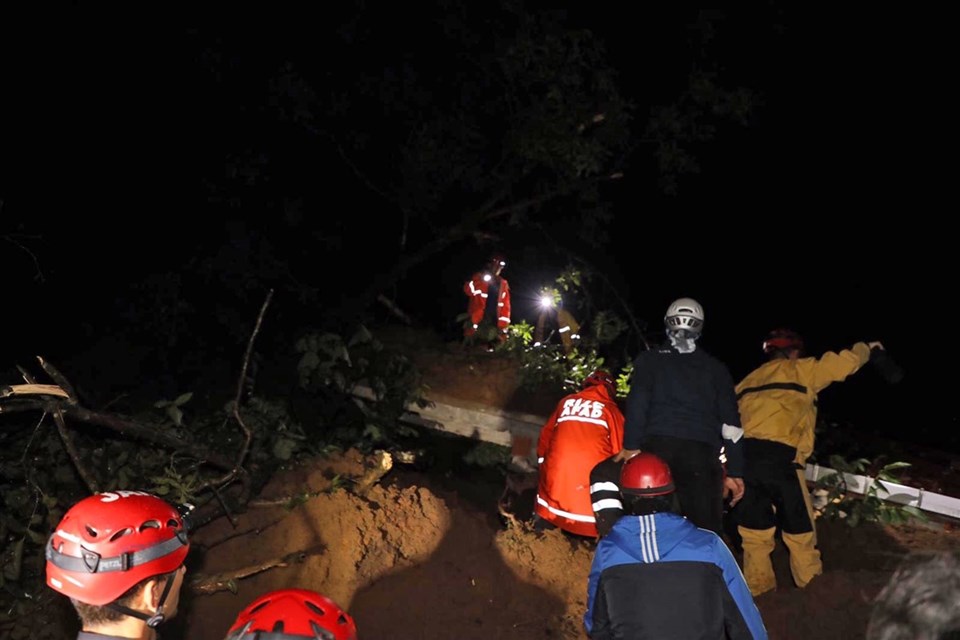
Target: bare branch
(247,434)
(88,479)
(226,581)
(60,379)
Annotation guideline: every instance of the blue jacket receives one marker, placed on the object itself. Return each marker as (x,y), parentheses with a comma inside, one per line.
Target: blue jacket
(659,576)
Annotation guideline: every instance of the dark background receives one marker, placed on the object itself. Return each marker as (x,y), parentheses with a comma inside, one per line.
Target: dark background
(820,215)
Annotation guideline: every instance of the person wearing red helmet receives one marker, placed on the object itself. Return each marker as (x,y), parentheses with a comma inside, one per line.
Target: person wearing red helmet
(584,428)
(488,302)
(293,614)
(119,557)
(657,575)
(778,410)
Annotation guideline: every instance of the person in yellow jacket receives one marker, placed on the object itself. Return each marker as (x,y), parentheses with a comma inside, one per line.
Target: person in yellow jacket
(778,412)
(552,311)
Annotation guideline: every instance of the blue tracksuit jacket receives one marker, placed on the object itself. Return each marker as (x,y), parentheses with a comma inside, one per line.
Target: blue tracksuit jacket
(659,576)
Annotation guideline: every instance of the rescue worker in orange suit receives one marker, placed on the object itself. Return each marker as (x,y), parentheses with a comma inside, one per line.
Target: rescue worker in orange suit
(585,428)
(778,411)
(488,303)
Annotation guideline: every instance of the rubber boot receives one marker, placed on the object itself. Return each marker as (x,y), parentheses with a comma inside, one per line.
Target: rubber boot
(758,571)
(805,563)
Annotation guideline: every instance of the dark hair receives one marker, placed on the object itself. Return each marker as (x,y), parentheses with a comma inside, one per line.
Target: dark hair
(634,505)
(921,601)
(91,614)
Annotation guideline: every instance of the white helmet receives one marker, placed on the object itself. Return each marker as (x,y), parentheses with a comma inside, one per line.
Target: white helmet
(684,313)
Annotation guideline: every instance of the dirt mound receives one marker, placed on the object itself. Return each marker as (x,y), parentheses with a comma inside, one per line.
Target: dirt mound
(469,376)
(415,558)
(407,560)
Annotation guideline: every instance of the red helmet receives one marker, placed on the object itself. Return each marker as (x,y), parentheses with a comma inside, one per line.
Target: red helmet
(109,542)
(498,259)
(782,340)
(646,474)
(601,377)
(289,614)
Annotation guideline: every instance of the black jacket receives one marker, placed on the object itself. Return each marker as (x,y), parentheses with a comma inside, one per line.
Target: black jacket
(684,395)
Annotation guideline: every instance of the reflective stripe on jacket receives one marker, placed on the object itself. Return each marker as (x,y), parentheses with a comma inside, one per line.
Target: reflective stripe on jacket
(778,399)
(477,289)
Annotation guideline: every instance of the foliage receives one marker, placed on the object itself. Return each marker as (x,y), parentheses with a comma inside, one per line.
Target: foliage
(487,454)
(548,365)
(331,369)
(172,407)
(841,503)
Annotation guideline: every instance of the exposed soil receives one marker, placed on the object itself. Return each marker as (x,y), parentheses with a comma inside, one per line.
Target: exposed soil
(426,554)
(428,558)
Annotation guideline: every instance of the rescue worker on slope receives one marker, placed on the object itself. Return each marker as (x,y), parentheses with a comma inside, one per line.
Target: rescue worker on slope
(552,311)
(290,614)
(585,428)
(488,301)
(657,575)
(778,410)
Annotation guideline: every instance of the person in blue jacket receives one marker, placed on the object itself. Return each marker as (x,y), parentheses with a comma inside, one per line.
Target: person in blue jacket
(656,575)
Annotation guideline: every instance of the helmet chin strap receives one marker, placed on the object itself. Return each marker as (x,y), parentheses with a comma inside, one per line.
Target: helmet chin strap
(153,621)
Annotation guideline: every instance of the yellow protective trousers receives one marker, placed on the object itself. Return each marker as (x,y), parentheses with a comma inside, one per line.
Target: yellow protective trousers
(776,497)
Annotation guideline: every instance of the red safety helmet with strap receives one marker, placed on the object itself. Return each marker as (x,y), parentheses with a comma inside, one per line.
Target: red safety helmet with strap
(110,542)
(602,378)
(646,474)
(782,340)
(293,614)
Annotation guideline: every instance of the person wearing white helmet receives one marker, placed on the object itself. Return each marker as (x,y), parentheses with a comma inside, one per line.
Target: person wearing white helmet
(682,407)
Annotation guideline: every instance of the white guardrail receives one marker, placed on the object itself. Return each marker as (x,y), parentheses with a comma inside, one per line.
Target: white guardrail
(498,427)
(899,493)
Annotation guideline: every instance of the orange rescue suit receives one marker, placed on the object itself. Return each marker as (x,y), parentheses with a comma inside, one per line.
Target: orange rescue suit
(584,429)
(477,288)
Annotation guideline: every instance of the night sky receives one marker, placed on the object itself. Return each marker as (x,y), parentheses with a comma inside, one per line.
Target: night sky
(816,215)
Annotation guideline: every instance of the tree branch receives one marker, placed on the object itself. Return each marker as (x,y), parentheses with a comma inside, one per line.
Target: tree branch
(247,434)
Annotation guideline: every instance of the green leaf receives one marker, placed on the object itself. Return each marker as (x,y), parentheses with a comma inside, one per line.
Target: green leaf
(896,465)
(283,448)
(915,512)
(183,398)
(175,414)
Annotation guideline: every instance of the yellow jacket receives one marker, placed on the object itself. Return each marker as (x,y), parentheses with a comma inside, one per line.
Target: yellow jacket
(778,399)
